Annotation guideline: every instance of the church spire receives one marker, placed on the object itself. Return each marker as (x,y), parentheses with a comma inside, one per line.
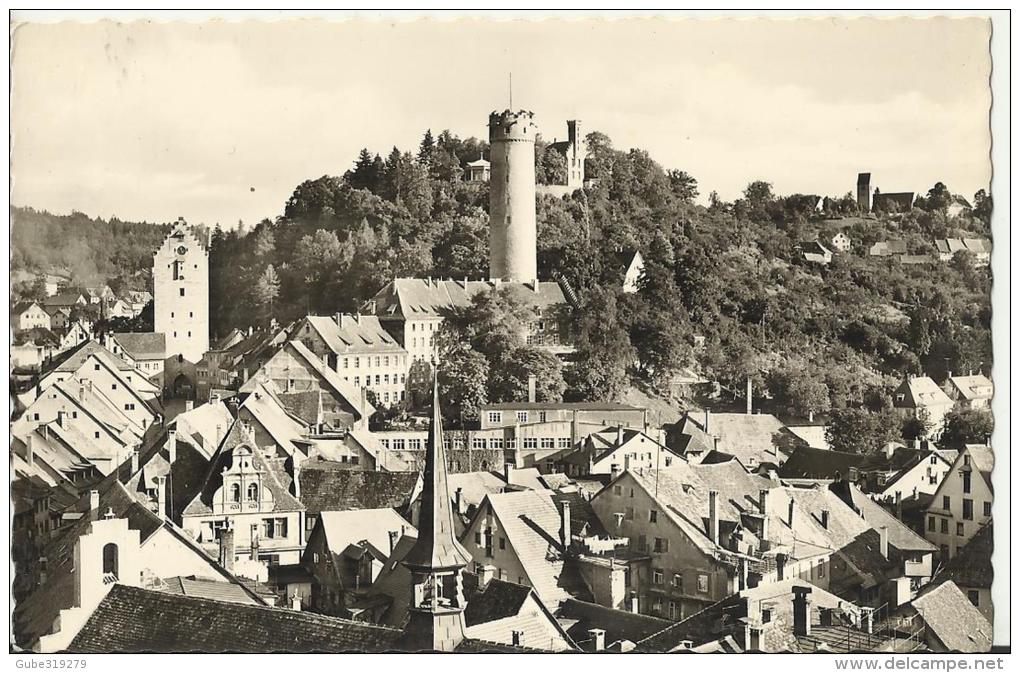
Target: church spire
(437,559)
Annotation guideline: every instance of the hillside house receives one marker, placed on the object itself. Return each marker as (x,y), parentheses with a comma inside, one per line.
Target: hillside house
(963,502)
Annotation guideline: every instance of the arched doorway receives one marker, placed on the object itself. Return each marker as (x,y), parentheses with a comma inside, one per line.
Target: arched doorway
(183,387)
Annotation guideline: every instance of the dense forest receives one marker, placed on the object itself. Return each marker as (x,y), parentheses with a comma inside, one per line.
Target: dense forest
(726,290)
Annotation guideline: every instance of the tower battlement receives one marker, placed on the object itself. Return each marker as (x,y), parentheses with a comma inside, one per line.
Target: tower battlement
(510,126)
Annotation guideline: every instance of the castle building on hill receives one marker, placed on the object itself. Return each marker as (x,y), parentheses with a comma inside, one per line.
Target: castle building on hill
(575,151)
(180,282)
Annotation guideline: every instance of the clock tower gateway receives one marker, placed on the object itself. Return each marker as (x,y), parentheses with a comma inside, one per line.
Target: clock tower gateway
(180,288)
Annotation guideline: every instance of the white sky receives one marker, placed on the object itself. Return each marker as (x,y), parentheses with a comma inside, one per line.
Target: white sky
(150,121)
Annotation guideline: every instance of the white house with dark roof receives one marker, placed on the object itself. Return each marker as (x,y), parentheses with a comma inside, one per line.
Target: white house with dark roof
(358,348)
(251,494)
(973,391)
(29,314)
(411,309)
(963,502)
(920,397)
(144,350)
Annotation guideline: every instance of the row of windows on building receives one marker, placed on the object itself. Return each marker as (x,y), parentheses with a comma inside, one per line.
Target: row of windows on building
(383,380)
(496,417)
(943,523)
(356,361)
(481,443)
(968,503)
(676,583)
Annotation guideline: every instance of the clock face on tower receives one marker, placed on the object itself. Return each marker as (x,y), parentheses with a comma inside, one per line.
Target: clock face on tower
(181,250)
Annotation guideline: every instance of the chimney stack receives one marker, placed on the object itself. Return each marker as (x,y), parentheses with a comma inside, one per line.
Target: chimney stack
(295,603)
(825,519)
(189,405)
(619,435)
(713,516)
(763,505)
(134,461)
(708,416)
(598,639)
(634,602)
(565,531)
(792,512)
(802,611)
(161,496)
(458,500)
(532,388)
(29,449)
(749,395)
(394,536)
(883,540)
(226,555)
(94,505)
(297,479)
(508,471)
(171,445)
(485,575)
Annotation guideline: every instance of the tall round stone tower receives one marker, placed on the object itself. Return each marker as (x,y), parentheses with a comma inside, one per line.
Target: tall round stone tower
(512,228)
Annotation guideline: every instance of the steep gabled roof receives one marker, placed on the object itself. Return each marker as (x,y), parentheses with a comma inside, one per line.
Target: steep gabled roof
(972,387)
(417,298)
(919,391)
(354,334)
(972,566)
(333,487)
(531,523)
(130,619)
(366,525)
(953,619)
(346,390)
(142,345)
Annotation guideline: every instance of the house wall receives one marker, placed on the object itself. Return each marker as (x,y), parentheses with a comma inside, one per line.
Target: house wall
(33,316)
(287,548)
(504,559)
(926,477)
(164,555)
(957,530)
(704,581)
(641,452)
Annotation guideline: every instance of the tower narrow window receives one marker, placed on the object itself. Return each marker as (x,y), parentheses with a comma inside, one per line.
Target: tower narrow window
(110,559)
